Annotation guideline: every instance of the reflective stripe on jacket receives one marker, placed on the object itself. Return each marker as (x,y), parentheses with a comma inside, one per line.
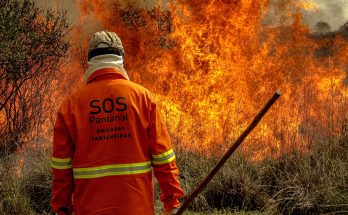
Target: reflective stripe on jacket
(108,138)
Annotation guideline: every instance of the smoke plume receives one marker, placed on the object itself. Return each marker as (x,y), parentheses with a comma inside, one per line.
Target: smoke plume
(334,13)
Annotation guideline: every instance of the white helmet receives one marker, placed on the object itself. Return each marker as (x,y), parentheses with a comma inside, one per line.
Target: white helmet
(105,42)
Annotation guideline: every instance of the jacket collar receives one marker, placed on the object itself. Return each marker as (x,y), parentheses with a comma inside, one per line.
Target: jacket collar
(101,62)
(106,73)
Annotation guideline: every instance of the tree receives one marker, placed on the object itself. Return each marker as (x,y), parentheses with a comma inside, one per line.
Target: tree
(32,43)
(322,28)
(344,30)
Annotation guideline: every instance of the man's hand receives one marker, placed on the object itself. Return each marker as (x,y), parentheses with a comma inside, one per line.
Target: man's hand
(172,212)
(64,211)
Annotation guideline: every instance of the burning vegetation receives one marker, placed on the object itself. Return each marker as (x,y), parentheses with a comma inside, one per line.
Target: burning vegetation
(211,66)
(32,46)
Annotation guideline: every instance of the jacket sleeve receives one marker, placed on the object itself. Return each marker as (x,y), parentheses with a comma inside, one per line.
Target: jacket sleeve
(62,183)
(163,161)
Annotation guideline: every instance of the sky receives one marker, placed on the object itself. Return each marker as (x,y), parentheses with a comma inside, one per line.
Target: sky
(334,12)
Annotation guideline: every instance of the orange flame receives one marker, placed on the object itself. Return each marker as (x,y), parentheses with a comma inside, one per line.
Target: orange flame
(213,64)
(307,5)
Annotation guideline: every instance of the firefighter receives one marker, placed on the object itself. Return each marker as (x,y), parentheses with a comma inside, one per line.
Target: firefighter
(109,139)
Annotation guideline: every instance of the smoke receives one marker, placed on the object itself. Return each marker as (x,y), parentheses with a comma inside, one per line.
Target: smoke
(62,5)
(333,12)
(146,4)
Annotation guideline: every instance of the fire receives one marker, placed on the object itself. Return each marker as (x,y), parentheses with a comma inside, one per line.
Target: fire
(307,5)
(19,167)
(213,64)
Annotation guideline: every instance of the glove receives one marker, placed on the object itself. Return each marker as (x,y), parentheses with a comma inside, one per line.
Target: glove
(171,212)
(64,211)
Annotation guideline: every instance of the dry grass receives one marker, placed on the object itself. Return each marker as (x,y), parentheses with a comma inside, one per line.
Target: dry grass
(315,182)
(25,190)
(295,183)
